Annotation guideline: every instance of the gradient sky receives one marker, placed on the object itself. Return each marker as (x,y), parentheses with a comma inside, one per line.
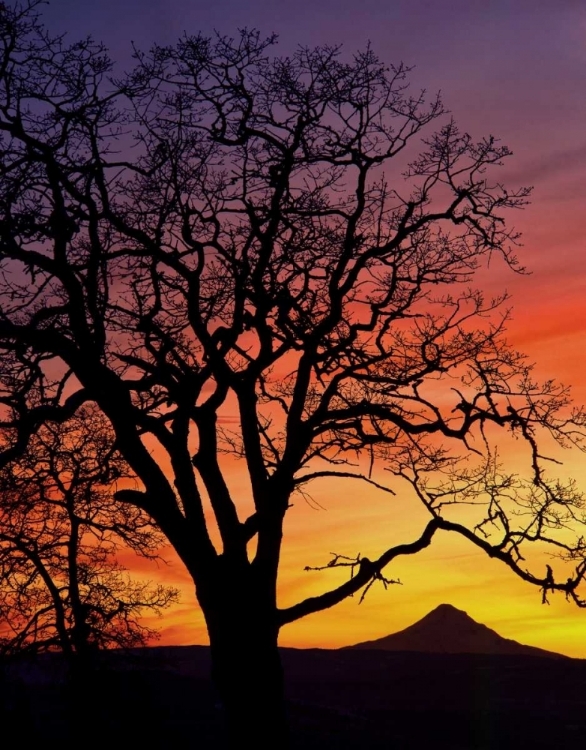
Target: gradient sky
(512,68)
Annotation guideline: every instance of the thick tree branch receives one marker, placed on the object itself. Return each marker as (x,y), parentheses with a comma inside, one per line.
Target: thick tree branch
(367,570)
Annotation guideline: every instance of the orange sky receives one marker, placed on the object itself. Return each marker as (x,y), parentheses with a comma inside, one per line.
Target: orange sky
(549,307)
(549,318)
(514,69)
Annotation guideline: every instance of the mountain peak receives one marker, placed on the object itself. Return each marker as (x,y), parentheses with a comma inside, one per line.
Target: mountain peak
(446,609)
(449,630)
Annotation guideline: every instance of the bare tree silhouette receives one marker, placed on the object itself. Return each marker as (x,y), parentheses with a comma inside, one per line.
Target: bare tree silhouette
(61,586)
(226,233)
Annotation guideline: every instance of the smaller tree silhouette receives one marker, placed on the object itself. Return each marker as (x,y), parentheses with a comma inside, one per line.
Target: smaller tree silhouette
(62,587)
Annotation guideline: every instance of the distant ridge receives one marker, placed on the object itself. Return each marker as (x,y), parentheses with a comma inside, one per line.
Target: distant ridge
(447,630)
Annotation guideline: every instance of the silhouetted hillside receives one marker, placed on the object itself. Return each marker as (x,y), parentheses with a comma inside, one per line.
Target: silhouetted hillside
(347,699)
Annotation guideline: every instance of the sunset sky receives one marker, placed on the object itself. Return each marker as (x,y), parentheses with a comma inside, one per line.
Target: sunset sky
(512,68)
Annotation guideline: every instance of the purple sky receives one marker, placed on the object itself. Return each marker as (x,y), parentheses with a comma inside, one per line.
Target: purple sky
(513,68)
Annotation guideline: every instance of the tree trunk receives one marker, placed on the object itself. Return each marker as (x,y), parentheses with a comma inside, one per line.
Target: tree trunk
(247,672)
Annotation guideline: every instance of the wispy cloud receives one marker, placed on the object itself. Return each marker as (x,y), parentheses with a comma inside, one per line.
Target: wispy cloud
(539,170)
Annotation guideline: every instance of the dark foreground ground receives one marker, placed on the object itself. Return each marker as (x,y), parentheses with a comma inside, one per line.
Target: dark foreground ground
(162,698)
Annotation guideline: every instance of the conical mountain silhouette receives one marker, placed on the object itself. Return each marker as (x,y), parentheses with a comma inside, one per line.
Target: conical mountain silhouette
(447,630)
